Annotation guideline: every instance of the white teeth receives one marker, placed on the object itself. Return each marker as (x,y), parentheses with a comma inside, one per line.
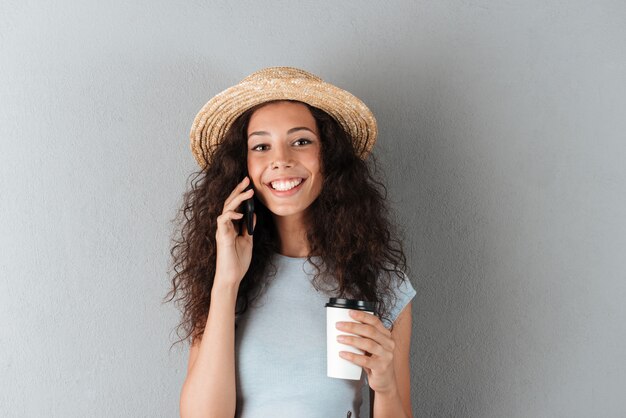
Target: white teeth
(285,185)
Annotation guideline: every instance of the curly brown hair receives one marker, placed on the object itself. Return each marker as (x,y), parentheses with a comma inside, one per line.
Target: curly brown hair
(349,228)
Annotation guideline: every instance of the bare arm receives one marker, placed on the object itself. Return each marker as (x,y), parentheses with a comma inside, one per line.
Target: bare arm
(209,389)
(399,402)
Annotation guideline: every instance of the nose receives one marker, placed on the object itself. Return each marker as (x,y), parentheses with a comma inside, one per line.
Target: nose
(282,157)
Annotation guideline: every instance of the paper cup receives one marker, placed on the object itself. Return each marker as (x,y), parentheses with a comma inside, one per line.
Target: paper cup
(337,310)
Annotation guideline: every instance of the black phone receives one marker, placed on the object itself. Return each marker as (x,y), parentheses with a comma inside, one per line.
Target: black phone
(248,212)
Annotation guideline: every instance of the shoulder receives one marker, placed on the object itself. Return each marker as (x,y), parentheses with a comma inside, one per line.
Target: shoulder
(400,294)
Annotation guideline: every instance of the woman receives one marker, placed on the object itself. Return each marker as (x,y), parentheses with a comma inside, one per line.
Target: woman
(254,304)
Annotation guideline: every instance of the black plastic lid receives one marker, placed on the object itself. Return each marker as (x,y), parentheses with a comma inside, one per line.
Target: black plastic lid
(359,305)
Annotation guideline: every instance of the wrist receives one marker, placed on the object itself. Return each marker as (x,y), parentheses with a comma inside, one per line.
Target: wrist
(222,290)
(388,404)
(391,394)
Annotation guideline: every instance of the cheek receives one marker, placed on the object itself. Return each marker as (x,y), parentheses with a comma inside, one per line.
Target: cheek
(314,161)
(253,172)
(317,183)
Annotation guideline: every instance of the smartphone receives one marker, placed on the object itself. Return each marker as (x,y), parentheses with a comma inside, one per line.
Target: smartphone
(248,212)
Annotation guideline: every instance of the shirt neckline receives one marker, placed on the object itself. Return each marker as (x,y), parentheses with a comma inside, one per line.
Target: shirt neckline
(292,259)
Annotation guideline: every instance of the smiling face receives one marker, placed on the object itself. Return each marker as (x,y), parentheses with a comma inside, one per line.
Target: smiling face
(284,150)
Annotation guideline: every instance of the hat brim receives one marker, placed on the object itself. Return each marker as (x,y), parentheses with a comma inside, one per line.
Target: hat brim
(218,114)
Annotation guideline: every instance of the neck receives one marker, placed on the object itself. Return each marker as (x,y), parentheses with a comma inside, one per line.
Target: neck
(292,233)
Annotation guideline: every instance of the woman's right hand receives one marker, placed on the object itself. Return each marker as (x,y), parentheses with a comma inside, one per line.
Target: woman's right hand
(234,251)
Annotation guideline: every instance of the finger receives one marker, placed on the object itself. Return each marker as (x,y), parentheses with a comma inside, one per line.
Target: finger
(370,319)
(365,329)
(225,219)
(369,346)
(361,360)
(238,189)
(368,331)
(235,202)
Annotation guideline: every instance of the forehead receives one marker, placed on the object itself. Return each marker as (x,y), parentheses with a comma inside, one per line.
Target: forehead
(283,114)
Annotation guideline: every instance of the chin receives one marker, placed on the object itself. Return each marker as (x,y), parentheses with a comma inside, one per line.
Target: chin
(287,212)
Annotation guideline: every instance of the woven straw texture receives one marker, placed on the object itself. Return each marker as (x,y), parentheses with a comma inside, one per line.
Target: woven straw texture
(280,83)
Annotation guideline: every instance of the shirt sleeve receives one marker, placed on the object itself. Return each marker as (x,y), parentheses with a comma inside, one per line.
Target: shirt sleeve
(404,293)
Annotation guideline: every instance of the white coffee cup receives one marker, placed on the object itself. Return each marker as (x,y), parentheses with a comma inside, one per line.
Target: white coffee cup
(337,310)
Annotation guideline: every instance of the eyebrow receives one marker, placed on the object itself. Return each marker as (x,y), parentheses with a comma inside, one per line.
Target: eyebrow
(292,130)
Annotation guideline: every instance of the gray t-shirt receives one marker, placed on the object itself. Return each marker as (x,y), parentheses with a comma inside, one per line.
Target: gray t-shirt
(280,351)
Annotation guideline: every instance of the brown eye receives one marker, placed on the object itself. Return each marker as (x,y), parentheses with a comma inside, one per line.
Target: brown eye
(305,140)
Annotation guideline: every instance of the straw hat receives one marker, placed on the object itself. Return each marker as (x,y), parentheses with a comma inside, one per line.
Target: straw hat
(280,83)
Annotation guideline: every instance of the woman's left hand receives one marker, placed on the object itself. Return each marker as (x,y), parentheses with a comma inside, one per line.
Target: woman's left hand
(375,340)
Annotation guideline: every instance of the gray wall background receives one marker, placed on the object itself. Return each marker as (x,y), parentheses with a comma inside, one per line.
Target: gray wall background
(501,136)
